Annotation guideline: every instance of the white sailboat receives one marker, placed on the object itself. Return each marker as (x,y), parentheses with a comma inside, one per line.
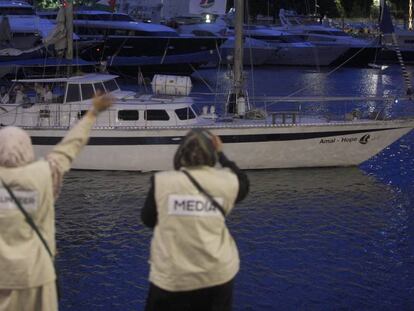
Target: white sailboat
(142,132)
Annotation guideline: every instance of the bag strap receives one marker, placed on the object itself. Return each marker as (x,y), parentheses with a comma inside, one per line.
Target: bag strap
(208,195)
(28,219)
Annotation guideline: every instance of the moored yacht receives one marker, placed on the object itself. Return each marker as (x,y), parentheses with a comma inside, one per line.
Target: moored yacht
(256,52)
(129,44)
(291,49)
(26,28)
(358,51)
(141,132)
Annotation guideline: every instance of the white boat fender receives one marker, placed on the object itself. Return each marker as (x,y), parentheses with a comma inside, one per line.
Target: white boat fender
(205,110)
(241,106)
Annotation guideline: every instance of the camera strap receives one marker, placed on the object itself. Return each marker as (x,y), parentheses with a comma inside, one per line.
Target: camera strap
(206,194)
(33,225)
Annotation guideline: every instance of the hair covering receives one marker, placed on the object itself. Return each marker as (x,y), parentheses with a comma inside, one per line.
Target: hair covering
(15,147)
(196,149)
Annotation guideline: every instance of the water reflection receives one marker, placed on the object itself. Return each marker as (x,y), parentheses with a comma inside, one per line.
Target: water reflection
(309,239)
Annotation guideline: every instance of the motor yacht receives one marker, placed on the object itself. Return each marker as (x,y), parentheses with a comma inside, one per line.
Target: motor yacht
(131,45)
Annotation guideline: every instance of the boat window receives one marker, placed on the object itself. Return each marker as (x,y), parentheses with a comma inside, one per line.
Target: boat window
(47,15)
(185,113)
(120,32)
(82,113)
(319,32)
(44,113)
(17,11)
(111,85)
(87,91)
(82,30)
(409,41)
(99,87)
(291,38)
(203,33)
(156,115)
(78,16)
(128,115)
(340,34)
(322,39)
(73,94)
(140,33)
(122,17)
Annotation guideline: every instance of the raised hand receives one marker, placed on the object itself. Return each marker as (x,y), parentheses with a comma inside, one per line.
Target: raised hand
(102,102)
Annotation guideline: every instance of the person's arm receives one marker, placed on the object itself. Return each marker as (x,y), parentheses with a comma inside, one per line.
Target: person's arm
(63,154)
(244,183)
(149,214)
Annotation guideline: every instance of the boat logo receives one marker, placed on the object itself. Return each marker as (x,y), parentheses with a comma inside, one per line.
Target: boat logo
(206,3)
(364,139)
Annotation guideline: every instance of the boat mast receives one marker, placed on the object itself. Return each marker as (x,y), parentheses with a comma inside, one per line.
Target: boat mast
(410,15)
(238,49)
(236,103)
(69,31)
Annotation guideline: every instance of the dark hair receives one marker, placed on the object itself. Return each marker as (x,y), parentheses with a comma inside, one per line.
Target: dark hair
(196,149)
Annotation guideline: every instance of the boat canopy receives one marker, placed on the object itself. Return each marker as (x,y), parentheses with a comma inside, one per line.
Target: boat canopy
(88,78)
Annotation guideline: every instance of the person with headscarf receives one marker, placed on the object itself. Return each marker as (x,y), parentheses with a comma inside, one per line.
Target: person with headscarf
(19,98)
(27,277)
(193,257)
(4,96)
(48,95)
(40,92)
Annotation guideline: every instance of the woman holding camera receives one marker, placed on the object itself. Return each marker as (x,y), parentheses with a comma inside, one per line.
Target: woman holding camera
(194,259)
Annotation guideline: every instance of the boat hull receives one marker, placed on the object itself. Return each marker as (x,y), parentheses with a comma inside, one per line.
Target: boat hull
(157,53)
(252,147)
(306,55)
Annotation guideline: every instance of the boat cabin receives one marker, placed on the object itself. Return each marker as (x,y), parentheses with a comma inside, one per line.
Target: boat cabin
(103,23)
(60,102)
(67,90)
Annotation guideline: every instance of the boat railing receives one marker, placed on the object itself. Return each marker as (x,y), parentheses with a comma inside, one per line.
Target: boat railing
(291,110)
(266,110)
(56,115)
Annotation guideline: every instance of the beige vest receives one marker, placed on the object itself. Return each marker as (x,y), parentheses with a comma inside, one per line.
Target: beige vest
(191,246)
(24,261)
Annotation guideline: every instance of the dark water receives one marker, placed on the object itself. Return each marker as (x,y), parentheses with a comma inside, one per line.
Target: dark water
(309,239)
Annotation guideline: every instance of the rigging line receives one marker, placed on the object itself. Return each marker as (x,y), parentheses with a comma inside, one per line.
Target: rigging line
(218,52)
(118,50)
(217,78)
(165,51)
(201,78)
(250,53)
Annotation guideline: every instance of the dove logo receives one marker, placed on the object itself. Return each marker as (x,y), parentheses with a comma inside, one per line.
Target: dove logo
(364,139)
(206,3)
